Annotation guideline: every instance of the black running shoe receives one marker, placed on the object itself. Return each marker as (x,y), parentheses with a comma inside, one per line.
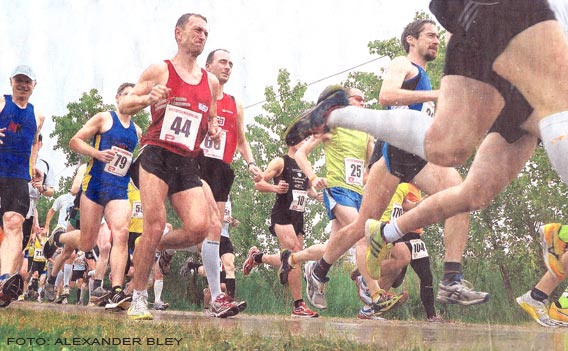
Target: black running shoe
(285,266)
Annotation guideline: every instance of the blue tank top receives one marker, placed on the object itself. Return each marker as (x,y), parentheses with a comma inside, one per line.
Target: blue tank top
(117,136)
(16,150)
(421,81)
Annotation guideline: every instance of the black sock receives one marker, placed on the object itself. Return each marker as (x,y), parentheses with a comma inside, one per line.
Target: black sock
(452,271)
(78,294)
(231,285)
(258,257)
(321,269)
(538,295)
(298,302)
(51,279)
(97,283)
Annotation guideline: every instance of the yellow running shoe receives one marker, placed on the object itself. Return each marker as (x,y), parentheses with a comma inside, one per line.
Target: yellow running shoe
(558,314)
(377,249)
(553,248)
(536,309)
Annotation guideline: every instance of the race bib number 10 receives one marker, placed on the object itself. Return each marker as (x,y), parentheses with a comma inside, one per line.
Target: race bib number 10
(180,126)
(298,200)
(120,163)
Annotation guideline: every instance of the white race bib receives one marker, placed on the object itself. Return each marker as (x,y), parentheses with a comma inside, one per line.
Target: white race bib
(354,169)
(418,249)
(299,198)
(428,108)
(120,163)
(137,209)
(397,211)
(180,126)
(214,149)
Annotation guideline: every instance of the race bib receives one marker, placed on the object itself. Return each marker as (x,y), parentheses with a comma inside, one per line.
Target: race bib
(397,211)
(120,163)
(418,249)
(354,169)
(298,200)
(180,126)
(214,149)
(38,254)
(428,108)
(137,209)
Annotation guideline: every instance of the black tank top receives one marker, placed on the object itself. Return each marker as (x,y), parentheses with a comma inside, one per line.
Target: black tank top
(297,191)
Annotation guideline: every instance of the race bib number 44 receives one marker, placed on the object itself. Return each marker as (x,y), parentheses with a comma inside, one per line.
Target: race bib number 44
(120,163)
(180,126)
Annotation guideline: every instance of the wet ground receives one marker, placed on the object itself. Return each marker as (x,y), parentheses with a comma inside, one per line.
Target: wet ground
(386,334)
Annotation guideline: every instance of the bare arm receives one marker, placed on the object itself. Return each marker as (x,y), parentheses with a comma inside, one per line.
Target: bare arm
(242,143)
(76,185)
(301,158)
(274,168)
(151,88)
(99,123)
(392,94)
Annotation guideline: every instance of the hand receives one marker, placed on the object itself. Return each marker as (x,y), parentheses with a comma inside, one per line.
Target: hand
(254,170)
(214,131)
(105,155)
(158,92)
(319,196)
(282,187)
(319,183)
(235,223)
(37,175)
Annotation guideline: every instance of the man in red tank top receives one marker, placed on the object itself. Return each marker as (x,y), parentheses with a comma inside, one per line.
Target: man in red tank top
(180,96)
(215,165)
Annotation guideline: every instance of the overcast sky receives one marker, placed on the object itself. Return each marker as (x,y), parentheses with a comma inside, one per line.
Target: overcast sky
(77,45)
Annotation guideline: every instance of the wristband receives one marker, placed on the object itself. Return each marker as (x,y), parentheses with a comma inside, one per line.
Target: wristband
(313,177)
(251,164)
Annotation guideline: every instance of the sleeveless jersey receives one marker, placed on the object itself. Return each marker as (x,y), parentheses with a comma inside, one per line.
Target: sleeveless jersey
(227,145)
(421,81)
(394,209)
(345,155)
(115,173)
(179,123)
(137,218)
(38,250)
(295,198)
(16,147)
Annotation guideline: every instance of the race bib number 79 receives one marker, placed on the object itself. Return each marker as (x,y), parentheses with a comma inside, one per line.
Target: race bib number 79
(180,126)
(120,163)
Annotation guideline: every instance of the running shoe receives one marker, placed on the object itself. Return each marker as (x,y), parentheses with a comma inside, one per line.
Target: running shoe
(368,313)
(250,263)
(536,309)
(285,266)
(460,292)
(553,248)
(303,311)
(223,307)
(100,296)
(388,301)
(558,314)
(315,289)
(139,309)
(313,121)
(438,319)
(161,305)
(165,262)
(363,291)
(118,301)
(10,289)
(49,292)
(21,297)
(377,248)
(65,291)
(241,305)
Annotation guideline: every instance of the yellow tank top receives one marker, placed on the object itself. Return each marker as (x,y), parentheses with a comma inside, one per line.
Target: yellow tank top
(137,217)
(345,155)
(394,209)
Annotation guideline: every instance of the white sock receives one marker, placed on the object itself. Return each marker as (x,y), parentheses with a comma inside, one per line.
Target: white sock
(67,272)
(554,134)
(391,232)
(158,287)
(403,128)
(212,265)
(136,293)
(58,279)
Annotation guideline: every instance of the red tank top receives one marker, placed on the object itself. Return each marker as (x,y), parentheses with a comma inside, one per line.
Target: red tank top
(179,123)
(227,118)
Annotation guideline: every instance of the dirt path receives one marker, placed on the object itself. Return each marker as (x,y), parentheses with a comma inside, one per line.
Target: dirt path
(391,334)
